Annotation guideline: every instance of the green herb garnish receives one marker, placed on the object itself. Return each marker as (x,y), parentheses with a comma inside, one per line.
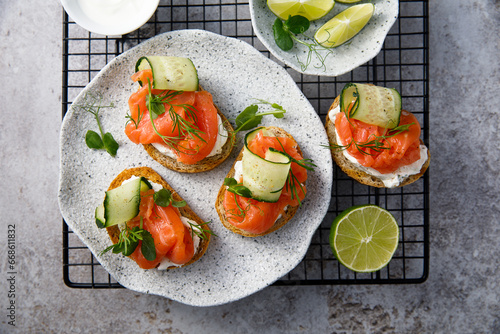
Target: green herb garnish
(187,127)
(131,119)
(200,231)
(128,241)
(284,31)
(237,188)
(250,117)
(93,139)
(284,36)
(164,198)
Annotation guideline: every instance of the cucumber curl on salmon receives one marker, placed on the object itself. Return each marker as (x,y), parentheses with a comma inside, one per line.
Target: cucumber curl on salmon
(373,140)
(266,185)
(150,223)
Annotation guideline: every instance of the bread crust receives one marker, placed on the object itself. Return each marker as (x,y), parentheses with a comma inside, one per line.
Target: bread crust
(290,211)
(204,165)
(354,171)
(185,211)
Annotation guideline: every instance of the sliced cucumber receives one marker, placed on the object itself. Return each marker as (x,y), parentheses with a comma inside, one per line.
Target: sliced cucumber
(264,177)
(373,105)
(99,216)
(175,73)
(122,203)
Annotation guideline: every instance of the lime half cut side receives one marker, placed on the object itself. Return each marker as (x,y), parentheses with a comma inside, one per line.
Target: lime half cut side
(364,238)
(344,25)
(310,9)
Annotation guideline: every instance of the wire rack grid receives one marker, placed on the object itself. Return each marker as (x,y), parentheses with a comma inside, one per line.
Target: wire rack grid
(401,64)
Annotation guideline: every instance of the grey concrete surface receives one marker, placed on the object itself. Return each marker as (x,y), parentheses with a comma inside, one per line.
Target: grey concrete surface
(463,289)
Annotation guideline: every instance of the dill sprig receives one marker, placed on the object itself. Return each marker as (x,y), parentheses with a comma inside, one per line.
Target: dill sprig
(200,231)
(187,127)
(290,185)
(131,119)
(241,213)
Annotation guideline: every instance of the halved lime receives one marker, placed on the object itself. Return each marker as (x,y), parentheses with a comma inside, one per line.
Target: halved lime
(344,25)
(364,238)
(310,9)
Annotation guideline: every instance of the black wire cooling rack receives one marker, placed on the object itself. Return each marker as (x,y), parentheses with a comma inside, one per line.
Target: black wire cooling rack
(403,63)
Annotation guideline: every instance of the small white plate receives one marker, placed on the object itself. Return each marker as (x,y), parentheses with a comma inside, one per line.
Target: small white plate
(110,17)
(362,48)
(234,266)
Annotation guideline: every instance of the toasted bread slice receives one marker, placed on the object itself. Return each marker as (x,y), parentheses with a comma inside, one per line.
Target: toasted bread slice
(219,204)
(202,166)
(354,171)
(185,211)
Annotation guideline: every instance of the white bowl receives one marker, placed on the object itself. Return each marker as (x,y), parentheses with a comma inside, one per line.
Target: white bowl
(110,17)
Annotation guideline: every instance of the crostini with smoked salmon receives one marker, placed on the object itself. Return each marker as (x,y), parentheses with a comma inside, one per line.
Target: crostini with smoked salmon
(150,223)
(373,140)
(265,187)
(174,119)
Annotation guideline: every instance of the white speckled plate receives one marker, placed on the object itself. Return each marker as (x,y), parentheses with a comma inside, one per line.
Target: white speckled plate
(233,266)
(362,48)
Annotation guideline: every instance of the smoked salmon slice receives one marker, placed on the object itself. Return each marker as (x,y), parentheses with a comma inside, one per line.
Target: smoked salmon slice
(194,108)
(172,238)
(257,217)
(402,149)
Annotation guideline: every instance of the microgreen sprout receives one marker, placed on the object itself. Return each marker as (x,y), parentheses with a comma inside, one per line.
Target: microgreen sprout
(237,188)
(250,117)
(164,198)
(92,104)
(285,34)
(128,241)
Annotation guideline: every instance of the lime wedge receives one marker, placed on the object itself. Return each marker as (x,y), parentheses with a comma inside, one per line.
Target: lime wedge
(310,9)
(364,238)
(348,1)
(344,25)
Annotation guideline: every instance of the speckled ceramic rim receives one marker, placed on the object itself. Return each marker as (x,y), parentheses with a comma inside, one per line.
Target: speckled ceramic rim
(362,48)
(234,266)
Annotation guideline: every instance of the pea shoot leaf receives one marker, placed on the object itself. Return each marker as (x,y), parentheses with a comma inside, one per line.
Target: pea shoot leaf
(155,106)
(128,241)
(237,188)
(297,24)
(164,198)
(250,117)
(148,246)
(281,36)
(110,144)
(93,140)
